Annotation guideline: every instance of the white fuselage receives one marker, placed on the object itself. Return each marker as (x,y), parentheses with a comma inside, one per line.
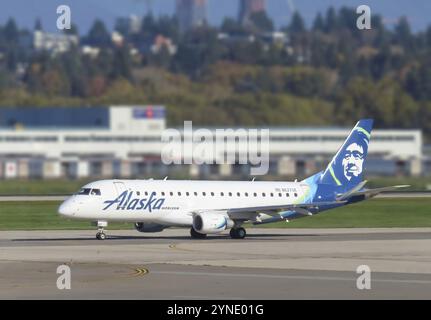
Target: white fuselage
(172,203)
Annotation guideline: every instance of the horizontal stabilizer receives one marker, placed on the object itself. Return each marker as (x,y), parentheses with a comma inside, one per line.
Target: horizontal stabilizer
(373,192)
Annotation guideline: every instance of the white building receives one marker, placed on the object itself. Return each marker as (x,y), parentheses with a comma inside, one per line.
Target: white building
(54,42)
(125,141)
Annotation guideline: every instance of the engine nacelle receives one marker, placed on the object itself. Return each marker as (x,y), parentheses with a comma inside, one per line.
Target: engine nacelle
(149,227)
(211,223)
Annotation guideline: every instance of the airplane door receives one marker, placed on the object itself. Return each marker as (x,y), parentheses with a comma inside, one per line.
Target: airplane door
(120,187)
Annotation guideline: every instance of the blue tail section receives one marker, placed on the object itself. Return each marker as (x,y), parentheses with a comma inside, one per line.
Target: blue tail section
(346,168)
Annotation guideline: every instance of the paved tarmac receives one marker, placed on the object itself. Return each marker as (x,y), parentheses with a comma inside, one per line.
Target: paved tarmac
(269,264)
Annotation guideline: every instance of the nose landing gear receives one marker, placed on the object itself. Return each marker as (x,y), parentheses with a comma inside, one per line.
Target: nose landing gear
(100,235)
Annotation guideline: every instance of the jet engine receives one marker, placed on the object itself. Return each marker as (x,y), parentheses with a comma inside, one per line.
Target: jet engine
(149,227)
(211,223)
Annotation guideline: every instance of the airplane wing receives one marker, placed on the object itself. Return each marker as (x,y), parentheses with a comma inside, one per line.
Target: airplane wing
(250,213)
(281,208)
(369,192)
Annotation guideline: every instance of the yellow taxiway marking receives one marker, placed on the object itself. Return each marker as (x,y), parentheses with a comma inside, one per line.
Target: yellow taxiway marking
(140,272)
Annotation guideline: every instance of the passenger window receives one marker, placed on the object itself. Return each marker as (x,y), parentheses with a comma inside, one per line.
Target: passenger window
(295,194)
(280,195)
(187,194)
(287,195)
(171,193)
(246,194)
(255,194)
(179,193)
(146,193)
(204,194)
(238,194)
(212,193)
(222,194)
(196,194)
(230,194)
(263,194)
(272,194)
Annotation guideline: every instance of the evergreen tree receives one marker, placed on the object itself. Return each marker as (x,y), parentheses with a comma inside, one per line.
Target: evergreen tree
(297,24)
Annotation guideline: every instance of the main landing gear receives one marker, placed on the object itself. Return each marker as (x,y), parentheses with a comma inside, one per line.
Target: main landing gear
(238,233)
(100,235)
(197,235)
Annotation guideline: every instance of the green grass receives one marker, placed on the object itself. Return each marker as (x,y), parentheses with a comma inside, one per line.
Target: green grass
(47,187)
(385,213)
(368,214)
(42,216)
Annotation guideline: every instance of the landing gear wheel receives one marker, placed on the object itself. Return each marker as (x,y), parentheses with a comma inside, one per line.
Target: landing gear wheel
(197,235)
(238,233)
(100,236)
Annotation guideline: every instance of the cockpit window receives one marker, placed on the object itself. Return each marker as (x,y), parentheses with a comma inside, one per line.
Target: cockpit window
(88,191)
(84,192)
(95,192)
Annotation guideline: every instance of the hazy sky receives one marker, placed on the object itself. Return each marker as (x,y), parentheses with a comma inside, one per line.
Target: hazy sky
(85,11)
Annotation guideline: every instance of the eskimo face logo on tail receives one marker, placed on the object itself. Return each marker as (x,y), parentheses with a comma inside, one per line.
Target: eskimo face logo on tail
(125,201)
(353,161)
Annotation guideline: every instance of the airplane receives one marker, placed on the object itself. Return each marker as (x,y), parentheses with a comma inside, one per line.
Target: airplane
(211,207)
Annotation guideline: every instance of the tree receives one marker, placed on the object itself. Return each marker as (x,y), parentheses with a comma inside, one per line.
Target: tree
(331,20)
(121,67)
(11,31)
(403,34)
(262,22)
(98,35)
(38,25)
(297,24)
(231,26)
(318,24)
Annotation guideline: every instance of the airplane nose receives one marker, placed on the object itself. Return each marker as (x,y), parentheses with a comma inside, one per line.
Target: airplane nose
(66,209)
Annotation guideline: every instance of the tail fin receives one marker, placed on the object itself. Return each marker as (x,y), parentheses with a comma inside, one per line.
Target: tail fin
(345,169)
